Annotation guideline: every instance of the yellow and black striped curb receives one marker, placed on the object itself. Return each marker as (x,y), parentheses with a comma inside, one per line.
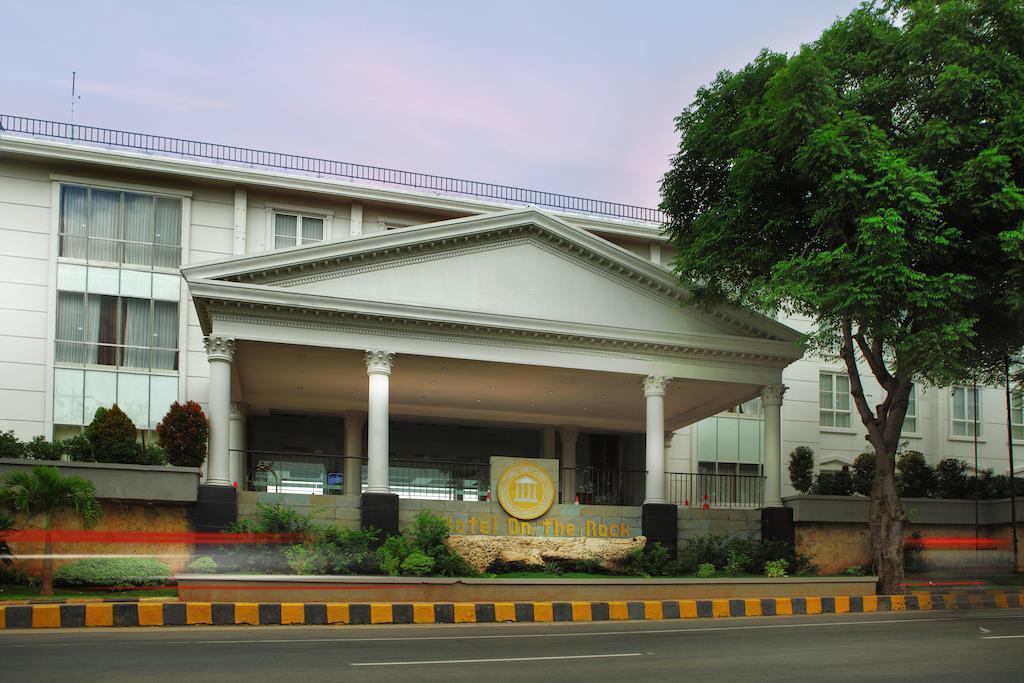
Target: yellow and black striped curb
(251,613)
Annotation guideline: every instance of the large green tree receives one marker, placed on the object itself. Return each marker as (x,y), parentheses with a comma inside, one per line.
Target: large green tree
(872,181)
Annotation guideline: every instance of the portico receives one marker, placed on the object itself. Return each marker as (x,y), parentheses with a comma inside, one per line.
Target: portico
(515,319)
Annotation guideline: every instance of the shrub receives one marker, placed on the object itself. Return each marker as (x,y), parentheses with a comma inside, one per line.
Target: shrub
(951,479)
(719,551)
(264,557)
(864,473)
(112,436)
(834,483)
(651,560)
(183,434)
(203,565)
(113,572)
(417,564)
(775,569)
(913,553)
(428,534)
(916,477)
(41,449)
(801,468)
(11,446)
(737,564)
(393,553)
(151,454)
(705,571)
(856,570)
(79,449)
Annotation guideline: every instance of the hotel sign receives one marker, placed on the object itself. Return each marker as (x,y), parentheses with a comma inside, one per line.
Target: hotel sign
(525,490)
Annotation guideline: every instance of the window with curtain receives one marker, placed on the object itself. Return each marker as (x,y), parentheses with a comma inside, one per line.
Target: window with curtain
(119,227)
(1017,415)
(127,332)
(910,420)
(293,229)
(834,400)
(966,411)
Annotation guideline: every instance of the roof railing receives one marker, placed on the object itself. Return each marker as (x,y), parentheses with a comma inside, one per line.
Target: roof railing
(256,158)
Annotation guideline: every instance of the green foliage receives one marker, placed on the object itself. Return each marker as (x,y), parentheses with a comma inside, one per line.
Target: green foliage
(417,564)
(264,558)
(913,553)
(775,569)
(740,554)
(916,477)
(112,435)
(41,449)
(44,490)
(737,563)
(6,556)
(833,483)
(393,553)
(183,434)
(11,446)
(705,571)
(203,565)
(855,570)
(951,478)
(864,473)
(651,560)
(151,454)
(428,534)
(801,468)
(78,449)
(113,572)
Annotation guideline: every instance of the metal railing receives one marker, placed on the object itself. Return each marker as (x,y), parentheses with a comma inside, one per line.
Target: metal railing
(284,472)
(687,489)
(597,486)
(243,156)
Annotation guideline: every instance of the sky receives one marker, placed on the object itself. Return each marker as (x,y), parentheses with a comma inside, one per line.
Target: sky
(575,97)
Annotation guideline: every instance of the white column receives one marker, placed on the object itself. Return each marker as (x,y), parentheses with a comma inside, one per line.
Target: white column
(654,393)
(568,435)
(356,219)
(771,399)
(219,352)
(378,368)
(236,443)
(354,451)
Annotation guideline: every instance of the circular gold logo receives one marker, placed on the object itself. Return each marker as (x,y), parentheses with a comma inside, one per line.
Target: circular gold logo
(525,491)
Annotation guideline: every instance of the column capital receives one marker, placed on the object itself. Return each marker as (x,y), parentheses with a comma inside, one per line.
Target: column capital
(655,385)
(379,362)
(354,419)
(668,439)
(219,348)
(771,395)
(238,410)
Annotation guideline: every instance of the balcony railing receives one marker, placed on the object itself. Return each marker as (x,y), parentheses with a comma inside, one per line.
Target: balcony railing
(714,490)
(255,158)
(599,486)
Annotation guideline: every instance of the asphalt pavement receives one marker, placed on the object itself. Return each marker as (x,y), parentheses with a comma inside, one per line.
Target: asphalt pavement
(979,645)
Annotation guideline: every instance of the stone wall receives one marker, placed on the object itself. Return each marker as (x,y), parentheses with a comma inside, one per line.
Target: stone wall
(342,510)
(692,522)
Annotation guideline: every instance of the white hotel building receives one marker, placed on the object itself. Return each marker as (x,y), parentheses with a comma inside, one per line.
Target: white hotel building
(330,324)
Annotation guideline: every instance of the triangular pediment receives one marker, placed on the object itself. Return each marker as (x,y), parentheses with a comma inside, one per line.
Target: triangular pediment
(522,265)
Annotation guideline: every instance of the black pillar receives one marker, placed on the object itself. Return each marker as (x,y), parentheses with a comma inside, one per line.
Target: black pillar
(777,525)
(660,525)
(216,507)
(380,511)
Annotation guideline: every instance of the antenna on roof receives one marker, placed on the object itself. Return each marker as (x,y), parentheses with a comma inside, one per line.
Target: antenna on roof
(74,98)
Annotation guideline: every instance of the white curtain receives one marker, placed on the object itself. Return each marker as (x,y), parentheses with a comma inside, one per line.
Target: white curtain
(71,328)
(165,335)
(104,210)
(167,235)
(285,230)
(136,336)
(73,202)
(312,230)
(138,228)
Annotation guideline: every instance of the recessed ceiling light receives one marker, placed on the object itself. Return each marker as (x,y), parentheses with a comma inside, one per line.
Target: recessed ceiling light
(492,388)
(550,393)
(300,388)
(422,396)
(433,381)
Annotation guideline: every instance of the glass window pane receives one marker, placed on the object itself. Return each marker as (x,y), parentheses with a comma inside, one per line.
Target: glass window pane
(138,228)
(843,420)
(68,388)
(167,233)
(826,418)
(133,397)
(312,229)
(910,424)
(958,403)
(285,230)
(100,391)
(73,202)
(842,384)
(135,333)
(843,401)
(104,216)
(165,335)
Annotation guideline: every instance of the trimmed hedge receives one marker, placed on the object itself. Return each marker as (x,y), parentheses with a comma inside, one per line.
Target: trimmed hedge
(113,572)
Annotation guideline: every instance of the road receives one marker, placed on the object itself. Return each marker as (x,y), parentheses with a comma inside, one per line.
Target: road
(980,645)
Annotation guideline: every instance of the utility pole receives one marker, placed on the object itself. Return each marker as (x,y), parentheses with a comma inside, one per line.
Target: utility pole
(1009,446)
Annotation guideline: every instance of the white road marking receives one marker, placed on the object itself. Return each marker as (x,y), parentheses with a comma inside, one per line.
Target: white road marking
(984,630)
(497,659)
(999,637)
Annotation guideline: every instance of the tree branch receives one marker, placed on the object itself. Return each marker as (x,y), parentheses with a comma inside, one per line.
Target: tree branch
(857,387)
(873,355)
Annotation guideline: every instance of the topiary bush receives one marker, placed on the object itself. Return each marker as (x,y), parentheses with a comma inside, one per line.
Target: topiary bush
(915,477)
(833,483)
(183,434)
(78,449)
(112,436)
(41,449)
(113,572)
(951,479)
(11,446)
(801,468)
(864,473)
(203,565)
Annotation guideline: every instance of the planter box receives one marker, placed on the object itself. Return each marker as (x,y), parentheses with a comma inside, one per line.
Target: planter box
(142,483)
(854,510)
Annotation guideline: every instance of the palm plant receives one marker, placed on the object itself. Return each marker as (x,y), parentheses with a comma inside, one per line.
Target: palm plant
(44,491)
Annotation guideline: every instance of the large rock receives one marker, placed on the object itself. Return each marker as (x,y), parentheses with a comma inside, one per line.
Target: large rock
(533,551)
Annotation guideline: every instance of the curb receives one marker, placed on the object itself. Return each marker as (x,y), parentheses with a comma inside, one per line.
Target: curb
(266,614)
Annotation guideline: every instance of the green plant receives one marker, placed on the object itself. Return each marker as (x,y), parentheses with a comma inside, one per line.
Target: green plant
(705,571)
(428,535)
(833,483)
(774,569)
(44,491)
(41,449)
(78,449)
(203,565)
(855,570)
(417,564)
(864,473)
(183,433)
(264,557)
(913,553)
(112,436)
(737,564)
(6,524)
(916,477)
(951,478)
(151,454)
(392,553)
(801,468)
(11,446)
(113,572)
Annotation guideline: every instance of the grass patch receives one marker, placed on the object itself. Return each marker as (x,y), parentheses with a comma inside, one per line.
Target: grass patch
(21,592)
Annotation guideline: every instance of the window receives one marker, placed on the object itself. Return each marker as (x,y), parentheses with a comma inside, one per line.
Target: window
(834,400)
(751,408)
(1017,415)
(966,411)
(97,329)
(910,421)
(293,229)
(119,227)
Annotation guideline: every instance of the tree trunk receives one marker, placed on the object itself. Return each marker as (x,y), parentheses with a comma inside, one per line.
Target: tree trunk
(885,520)
(48,559)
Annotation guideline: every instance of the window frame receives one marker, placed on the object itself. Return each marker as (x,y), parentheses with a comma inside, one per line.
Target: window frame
(912,403)
(1017,411)
(300,212)
(121,240)
(834,409)
(977,418)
